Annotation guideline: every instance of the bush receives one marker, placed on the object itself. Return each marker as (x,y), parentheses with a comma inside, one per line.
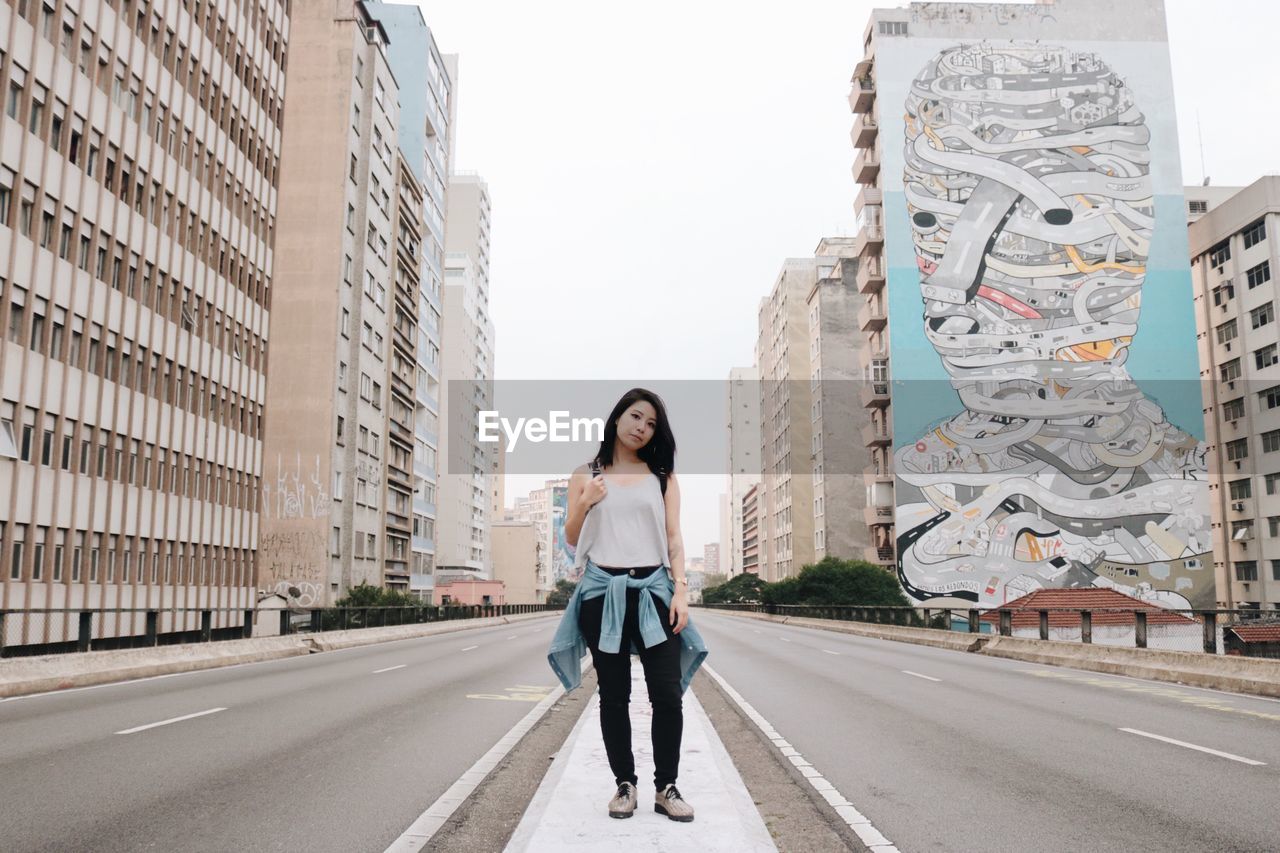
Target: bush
(834,581)
(743,589)
(561,593)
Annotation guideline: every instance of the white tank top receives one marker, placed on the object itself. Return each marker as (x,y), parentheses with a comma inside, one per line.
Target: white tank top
(627,528)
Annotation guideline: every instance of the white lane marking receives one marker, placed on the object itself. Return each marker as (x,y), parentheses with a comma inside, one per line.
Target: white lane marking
(511,636)
(1216,752)
(171,720)
(389,668)
(828,651)
(469,648)
(757,630)
(918,675)
(857,821)
(415,838)
(784,639)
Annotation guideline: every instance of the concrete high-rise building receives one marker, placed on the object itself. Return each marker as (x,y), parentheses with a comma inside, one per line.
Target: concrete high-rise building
(786,428)
(1235,255)
(465,499)
(325,500)
(138,206)
(745,461)
(547,510)
(839,317)
(516,550)
(423,133)
(751,530)
(711,557)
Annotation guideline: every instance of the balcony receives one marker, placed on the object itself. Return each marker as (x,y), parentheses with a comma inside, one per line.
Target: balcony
(867,196)
(870,239)
(867,166)
(865,130)
(879,556)
(878,515)
(870,275)
(862,94)
(871,316)
(875,435)
(875,393)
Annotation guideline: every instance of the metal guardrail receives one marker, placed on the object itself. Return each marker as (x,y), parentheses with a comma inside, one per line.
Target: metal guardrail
(1198,631)
(57,630)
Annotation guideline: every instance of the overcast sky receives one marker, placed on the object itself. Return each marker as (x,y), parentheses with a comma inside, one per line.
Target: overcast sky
(651,167)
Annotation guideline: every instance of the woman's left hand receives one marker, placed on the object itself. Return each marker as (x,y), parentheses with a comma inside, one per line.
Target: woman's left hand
(680,608)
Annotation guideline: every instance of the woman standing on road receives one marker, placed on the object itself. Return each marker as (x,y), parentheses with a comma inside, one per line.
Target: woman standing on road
(633,596)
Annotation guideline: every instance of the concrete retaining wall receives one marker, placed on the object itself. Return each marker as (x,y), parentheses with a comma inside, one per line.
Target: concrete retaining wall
(1257,676)
(24,676)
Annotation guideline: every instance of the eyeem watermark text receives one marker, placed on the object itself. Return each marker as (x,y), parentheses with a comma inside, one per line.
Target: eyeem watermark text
(559,428)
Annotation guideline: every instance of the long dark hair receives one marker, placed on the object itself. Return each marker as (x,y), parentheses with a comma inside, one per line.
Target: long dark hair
(659,452)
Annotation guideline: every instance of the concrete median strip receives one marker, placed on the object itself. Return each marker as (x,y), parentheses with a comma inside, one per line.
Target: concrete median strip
(52,673)
(1255,676)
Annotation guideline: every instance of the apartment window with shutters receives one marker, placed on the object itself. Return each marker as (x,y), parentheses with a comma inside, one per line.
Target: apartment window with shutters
(1262,315)
(1260,274)
(1265,357)
(1247,570)
(1233,409)
(1240,489)
(1271,441)
(1228,331)
(1273,526)
(1238,449)
(1269,398)
(1229,370)
(1254,234)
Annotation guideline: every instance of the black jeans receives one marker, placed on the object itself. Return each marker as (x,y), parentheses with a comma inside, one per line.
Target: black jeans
(662,676)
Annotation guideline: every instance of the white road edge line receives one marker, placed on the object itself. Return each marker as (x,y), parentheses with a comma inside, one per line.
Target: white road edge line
(511,636)
(172,720)
(389,668)
(1216,752)
(829,652)
(784,639)
(469,648)
(857,821)
(918,675)
(429,822)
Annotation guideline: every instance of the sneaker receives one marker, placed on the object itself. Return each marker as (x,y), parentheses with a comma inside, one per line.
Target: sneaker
(669,802)
(623,803)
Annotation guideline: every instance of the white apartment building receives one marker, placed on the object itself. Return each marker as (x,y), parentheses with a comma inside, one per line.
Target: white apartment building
(1235,255)
(745,462)
(139,168)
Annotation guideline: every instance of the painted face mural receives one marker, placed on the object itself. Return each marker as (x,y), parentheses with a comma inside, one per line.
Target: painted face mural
(1027,182)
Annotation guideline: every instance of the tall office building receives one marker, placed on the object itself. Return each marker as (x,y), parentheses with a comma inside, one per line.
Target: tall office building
(465,499)
(1235,254)
(786,428)
(1020,183)
(745,462)
(423,133)
(138,204)
(338,330)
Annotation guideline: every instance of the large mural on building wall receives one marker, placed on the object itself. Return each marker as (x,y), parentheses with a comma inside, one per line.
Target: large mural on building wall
(1027,199)
(561,552)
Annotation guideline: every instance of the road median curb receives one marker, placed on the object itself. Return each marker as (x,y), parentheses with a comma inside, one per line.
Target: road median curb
(23,676)
(1254,676)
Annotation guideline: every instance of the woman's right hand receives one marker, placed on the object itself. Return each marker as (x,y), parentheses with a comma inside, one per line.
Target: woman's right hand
(593,492)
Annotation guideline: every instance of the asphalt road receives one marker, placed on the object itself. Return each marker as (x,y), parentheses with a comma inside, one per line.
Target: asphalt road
(319,753)
(998,755)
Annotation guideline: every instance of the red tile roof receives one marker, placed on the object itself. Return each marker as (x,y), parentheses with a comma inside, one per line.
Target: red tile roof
(1257,633)
(1095,599)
